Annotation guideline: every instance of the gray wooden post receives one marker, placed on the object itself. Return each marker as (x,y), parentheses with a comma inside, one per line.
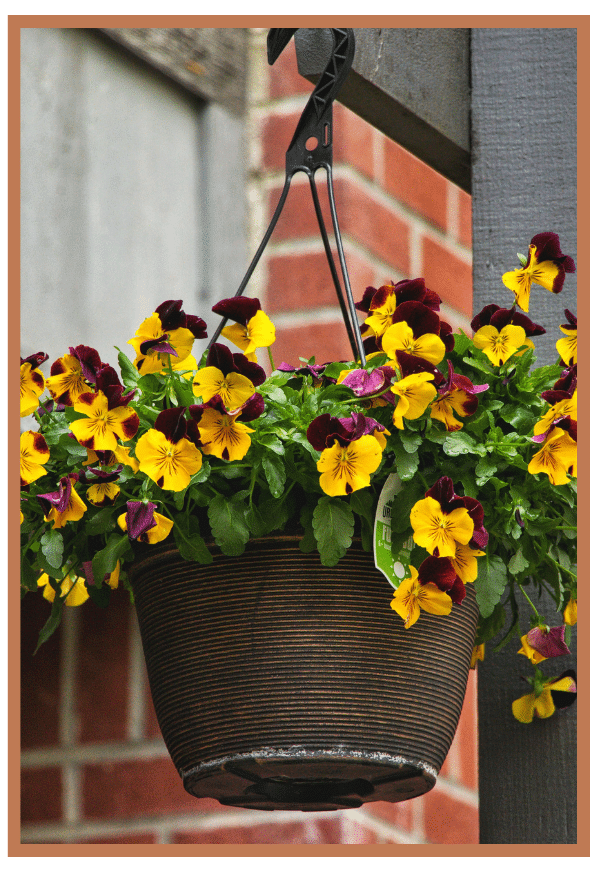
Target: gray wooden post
(523,113)
(518,158)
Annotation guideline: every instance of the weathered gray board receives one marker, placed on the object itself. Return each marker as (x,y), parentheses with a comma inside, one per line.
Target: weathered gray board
(523,135)
(412,84)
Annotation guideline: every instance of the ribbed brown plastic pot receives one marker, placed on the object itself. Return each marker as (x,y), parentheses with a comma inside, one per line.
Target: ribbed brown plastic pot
(280,683)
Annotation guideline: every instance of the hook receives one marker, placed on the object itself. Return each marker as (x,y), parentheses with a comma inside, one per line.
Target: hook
(309,150)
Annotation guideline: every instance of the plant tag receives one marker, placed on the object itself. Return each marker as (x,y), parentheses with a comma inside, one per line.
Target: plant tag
(395,567)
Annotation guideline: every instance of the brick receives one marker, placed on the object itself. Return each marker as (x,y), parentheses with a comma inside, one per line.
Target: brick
(375,226)
(448,275)
(151,726)
(467,734)
(41,795)
(399,814)
(142,787)
(276,132)
(102,673)
(39,676)
(303,281)
(306,832)
(415,184)
(354,141)
(327,342)
(447,820)
(465,219)
(284,79)
(358,833)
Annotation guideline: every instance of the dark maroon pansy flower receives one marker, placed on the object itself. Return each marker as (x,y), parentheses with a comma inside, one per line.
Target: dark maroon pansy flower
(548,248)
(107,381)
(439,571)
(563,388)
(140,518)
(35,360)
(172,316)
(221,357)
(410,364)
(251,409)
(58,498)
(422,319)
(172,423)
(416,289)
(363,383)
(159,344)
(563,699)
(571,319)
(548,641)
(325,430)
(90,362)
(314,370)
(94,476)
(239,309)
(499,318)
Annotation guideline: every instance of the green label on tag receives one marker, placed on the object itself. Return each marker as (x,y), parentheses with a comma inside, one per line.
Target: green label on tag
(395,567)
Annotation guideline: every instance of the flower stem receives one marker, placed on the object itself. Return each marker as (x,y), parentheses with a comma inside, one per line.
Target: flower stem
(534,609)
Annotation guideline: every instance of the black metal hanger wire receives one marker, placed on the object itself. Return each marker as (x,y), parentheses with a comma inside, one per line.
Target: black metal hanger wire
(309,150)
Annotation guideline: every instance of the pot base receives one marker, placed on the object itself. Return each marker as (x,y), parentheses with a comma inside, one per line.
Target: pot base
(305,780)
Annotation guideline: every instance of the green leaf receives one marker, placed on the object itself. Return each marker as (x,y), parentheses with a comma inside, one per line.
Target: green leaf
(458,443)
(519,417)
(104,562)
(193,547)
(403,503)
(333,524)
(490,584)
(100,522)
(52,622)
(406,463)
(51,545)
(483,471)
(490,626)
(274,469)
(518,562)
(228,525)
(130,375)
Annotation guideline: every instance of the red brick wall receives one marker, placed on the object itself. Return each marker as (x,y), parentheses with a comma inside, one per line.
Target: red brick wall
(95,768)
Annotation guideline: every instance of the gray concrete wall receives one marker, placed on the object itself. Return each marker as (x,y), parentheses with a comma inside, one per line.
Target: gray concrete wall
(115,194)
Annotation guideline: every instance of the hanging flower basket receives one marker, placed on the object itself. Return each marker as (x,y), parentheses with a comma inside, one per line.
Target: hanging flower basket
(280,683)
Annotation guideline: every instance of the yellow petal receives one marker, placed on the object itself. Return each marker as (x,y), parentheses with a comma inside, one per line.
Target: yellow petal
(523,708)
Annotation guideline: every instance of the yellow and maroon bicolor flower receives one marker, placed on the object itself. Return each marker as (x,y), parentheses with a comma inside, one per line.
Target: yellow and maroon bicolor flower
(252,329)
(103,424)
(443,519)
(166,338)
(102,485)
(546,266)
(166,454)
(418,330)
(222,378)
(495,334)
(143,523)
(74,374)
(557,457)
(478,654)
(222,435)
(541,703)
(571,611)
(350,451)
(422,590)
(566,347)
(33,454)
(566,408)
(414,393)
(458,394)
(73,588)
(464,562)
(63,504)
(544,642)
(31,384)
(381,303)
